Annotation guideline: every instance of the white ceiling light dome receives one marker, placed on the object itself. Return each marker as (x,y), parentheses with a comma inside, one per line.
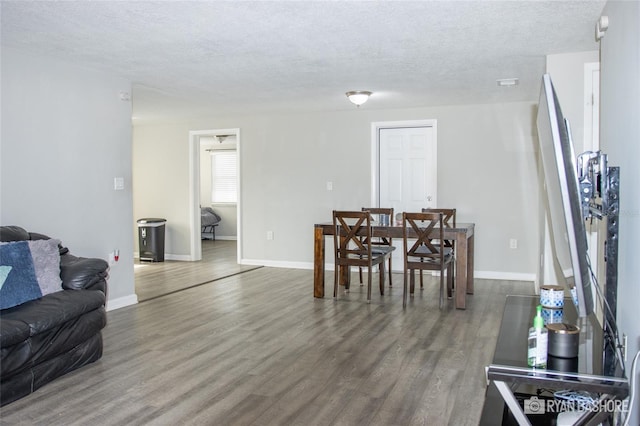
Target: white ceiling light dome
(358,97)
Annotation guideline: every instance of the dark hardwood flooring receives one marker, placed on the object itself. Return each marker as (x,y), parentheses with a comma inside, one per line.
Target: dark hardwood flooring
(219,260)
(257,349)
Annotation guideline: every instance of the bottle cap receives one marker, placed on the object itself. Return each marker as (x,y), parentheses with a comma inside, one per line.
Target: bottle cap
(538,321)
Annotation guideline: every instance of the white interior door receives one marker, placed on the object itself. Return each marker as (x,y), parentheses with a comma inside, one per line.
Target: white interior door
(407,172)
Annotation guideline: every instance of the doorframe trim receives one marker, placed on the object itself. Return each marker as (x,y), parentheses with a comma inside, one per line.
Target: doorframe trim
(194,190)
(591,140)
(375,145)
(596,233)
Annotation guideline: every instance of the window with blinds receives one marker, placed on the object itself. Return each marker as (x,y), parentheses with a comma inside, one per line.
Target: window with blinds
(224,182)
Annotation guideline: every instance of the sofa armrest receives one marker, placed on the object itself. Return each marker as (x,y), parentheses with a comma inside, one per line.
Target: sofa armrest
(80,273)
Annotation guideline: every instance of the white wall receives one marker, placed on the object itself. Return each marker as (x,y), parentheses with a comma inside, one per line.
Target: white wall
(65,136)
(620,139)
(160,174)
(486,170)
(567,73)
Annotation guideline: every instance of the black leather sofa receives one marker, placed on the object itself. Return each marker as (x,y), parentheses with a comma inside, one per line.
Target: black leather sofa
(43,339)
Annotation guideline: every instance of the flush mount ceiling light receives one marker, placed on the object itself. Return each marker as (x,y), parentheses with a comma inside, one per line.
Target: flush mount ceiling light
(358,97)
(221,138)
(508,82)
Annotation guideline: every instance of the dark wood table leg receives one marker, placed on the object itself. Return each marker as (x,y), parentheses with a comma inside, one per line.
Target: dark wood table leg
(345,277)
(318,263)
(470,251)
(461,281)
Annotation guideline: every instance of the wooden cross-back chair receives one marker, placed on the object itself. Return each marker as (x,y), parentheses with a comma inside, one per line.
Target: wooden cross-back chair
(448,217)
(448,221)
(380,244)
(427,250)
(349,250)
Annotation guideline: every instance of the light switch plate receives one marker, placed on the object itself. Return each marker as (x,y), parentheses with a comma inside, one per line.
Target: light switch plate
(118,183)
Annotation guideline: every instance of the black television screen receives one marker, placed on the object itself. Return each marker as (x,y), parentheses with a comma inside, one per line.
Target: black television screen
(564,211)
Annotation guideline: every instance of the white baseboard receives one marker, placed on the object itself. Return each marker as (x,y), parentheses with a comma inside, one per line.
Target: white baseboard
(225,238)
(278,264)
(483,275)
(183,257)
(121,302)
(507,276)
(493,275)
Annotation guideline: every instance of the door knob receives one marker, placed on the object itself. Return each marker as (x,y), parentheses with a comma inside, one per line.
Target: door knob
(429,198)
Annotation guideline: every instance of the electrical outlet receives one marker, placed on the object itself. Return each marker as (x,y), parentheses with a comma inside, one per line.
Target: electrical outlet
(269,235)
(114,256)
(513,243)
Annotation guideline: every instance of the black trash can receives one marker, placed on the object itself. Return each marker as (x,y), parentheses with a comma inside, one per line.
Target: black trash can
(151,239)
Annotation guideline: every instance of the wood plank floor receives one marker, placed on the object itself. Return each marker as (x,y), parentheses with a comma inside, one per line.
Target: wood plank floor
(219,260)
(258,349)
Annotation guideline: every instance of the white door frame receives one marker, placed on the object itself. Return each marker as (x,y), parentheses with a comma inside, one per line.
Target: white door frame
(596,233)
(375,146)
(194,190)
(591,102)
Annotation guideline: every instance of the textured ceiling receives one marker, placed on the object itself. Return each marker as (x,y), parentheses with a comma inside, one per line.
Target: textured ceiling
(211,57)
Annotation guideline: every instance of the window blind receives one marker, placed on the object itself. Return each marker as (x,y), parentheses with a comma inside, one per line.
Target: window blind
(224,177)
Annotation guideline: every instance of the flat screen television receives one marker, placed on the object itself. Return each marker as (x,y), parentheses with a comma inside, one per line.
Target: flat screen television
(564,210)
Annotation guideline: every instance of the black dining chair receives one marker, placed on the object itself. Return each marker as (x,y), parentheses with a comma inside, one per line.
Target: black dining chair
(426,252)
(380,244)
(349,250)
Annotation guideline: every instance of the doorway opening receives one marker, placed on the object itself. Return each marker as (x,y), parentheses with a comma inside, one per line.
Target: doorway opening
(217,259)
(217,140)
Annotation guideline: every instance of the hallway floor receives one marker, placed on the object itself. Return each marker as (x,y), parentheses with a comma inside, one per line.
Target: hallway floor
(219,260)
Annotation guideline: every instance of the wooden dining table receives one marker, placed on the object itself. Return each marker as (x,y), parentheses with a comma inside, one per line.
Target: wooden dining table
(463,235)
